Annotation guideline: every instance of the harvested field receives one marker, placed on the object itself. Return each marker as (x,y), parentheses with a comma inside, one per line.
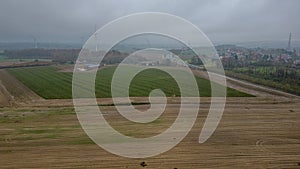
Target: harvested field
(252,134)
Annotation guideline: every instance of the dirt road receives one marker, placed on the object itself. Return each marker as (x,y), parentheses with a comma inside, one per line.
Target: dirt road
(13,92)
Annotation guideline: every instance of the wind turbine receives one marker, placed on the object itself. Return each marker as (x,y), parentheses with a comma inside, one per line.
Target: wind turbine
(82,39)
(34,41)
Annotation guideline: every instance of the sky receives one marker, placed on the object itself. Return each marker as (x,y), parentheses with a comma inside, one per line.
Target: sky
(223,21)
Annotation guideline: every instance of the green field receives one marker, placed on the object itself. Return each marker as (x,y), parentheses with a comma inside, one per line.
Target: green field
(49,83)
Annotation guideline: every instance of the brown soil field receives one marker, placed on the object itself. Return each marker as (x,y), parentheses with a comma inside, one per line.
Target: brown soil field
(257,132)
(252,134)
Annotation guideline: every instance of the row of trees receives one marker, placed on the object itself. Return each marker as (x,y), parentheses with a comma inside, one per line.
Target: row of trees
(272,72)
(60,55)
(56,55)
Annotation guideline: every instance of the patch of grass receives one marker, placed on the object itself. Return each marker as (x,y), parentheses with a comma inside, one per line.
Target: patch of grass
(49,83)
(23,115)
(125,104)
(81,141)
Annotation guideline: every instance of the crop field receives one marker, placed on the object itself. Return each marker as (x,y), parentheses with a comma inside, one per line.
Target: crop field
(50,83)
(254,132)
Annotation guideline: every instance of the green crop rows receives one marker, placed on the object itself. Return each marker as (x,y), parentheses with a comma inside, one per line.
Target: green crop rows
(49,83)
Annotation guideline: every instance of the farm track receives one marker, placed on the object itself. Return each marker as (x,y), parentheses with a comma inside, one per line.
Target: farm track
(5,97)
(13,92)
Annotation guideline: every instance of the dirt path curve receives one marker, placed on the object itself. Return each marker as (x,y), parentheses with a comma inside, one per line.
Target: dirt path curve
(13,92)
(5,98)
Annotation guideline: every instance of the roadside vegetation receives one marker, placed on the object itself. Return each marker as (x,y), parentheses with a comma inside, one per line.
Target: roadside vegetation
(279,77)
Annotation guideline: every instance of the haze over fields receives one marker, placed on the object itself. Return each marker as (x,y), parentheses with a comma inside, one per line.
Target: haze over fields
(151,100)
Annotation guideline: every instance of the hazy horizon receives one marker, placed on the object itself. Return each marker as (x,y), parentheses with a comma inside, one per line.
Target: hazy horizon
(222,21)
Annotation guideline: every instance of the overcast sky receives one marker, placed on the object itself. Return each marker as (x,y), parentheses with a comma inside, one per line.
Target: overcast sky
(222,20)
